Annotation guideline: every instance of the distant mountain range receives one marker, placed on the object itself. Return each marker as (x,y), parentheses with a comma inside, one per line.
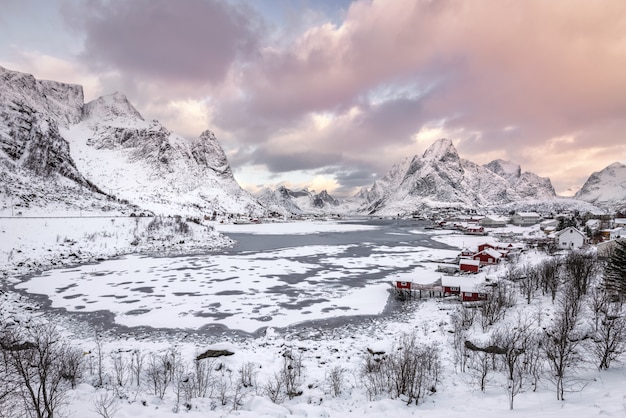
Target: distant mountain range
(58,153)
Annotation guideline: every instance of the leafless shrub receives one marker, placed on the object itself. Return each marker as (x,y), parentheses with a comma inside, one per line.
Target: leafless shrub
(274,388)
(501,298)
(579,268)
(121,368)
(609,338)
(461,320)
(480,365)
(562,339)
(335,381)
(106,404)
(293,373)
(159,372)
(136,365)
(71,363)
(549,276)
(410,370)
(203,377)
(248,374)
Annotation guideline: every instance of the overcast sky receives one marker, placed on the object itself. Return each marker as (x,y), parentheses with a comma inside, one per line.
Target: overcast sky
(330,94)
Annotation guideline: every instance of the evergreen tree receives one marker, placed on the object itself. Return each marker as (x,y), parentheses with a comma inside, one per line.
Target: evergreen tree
(615,271)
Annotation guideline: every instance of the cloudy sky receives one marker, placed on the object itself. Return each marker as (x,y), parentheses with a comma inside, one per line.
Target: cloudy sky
(330,94)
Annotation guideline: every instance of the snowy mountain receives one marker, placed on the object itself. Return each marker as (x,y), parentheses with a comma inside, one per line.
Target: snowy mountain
(606,187)
(300,202)
(58,153)
(526,184)
(440,178)
(35,162)
(145,163)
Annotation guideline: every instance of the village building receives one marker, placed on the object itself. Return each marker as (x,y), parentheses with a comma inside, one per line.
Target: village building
(549,224)
(475,230)
(525,218)
(488,256)
(570,238)
(619,222)
(492,221)
(467,288)
(614,233)
(469,265)
(502,248)
(593,224)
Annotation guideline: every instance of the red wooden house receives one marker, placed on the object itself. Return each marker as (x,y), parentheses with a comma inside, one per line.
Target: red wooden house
(469,265)
(488,256)
(473,296)
(451,290)
(400,285)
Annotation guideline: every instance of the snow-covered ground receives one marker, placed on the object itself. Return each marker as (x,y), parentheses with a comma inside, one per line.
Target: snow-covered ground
(29,244)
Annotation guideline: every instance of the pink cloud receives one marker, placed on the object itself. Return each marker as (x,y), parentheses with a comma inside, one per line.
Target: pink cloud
(547,68)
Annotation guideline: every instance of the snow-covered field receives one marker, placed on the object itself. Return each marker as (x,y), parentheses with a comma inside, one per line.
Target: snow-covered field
(29,244)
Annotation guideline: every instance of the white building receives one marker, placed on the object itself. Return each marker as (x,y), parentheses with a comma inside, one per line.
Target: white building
(525,218)
(493,221)
(570,238)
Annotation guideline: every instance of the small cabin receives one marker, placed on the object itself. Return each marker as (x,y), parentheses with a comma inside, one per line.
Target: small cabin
(451,290)
(475,230)
(400,285)
(473,296)
(469,265)
(488,256)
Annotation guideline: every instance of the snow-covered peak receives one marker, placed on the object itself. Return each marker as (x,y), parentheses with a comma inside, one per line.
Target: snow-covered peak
(505,168)
(441,150)
(607,186)
(112,107)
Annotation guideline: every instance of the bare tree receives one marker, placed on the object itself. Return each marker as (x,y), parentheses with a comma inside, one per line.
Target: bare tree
(293,373)
(514,343)
(410,370)
(609,338)
(136,365)
(335,381)
(34,354)
(248,374)
(106,404)
(461,320)
(480,366)
(274,388)
(121,368)
(562,339)
(501,298)
(549,276)
(579,268)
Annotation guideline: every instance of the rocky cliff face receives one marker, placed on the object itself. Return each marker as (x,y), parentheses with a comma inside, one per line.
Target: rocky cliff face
(606,187)
(526,184)
(106,148)
(35,159)
(145,163)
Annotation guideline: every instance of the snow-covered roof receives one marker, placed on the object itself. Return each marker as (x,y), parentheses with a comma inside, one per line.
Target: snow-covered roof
(469,261)
(491,252)
(562,231)
(466,283)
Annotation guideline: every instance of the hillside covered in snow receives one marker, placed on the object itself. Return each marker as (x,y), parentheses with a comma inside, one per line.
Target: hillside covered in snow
(59,154)
(441,178)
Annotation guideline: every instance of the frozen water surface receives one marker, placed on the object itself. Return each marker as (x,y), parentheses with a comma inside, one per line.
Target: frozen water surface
(277,275)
